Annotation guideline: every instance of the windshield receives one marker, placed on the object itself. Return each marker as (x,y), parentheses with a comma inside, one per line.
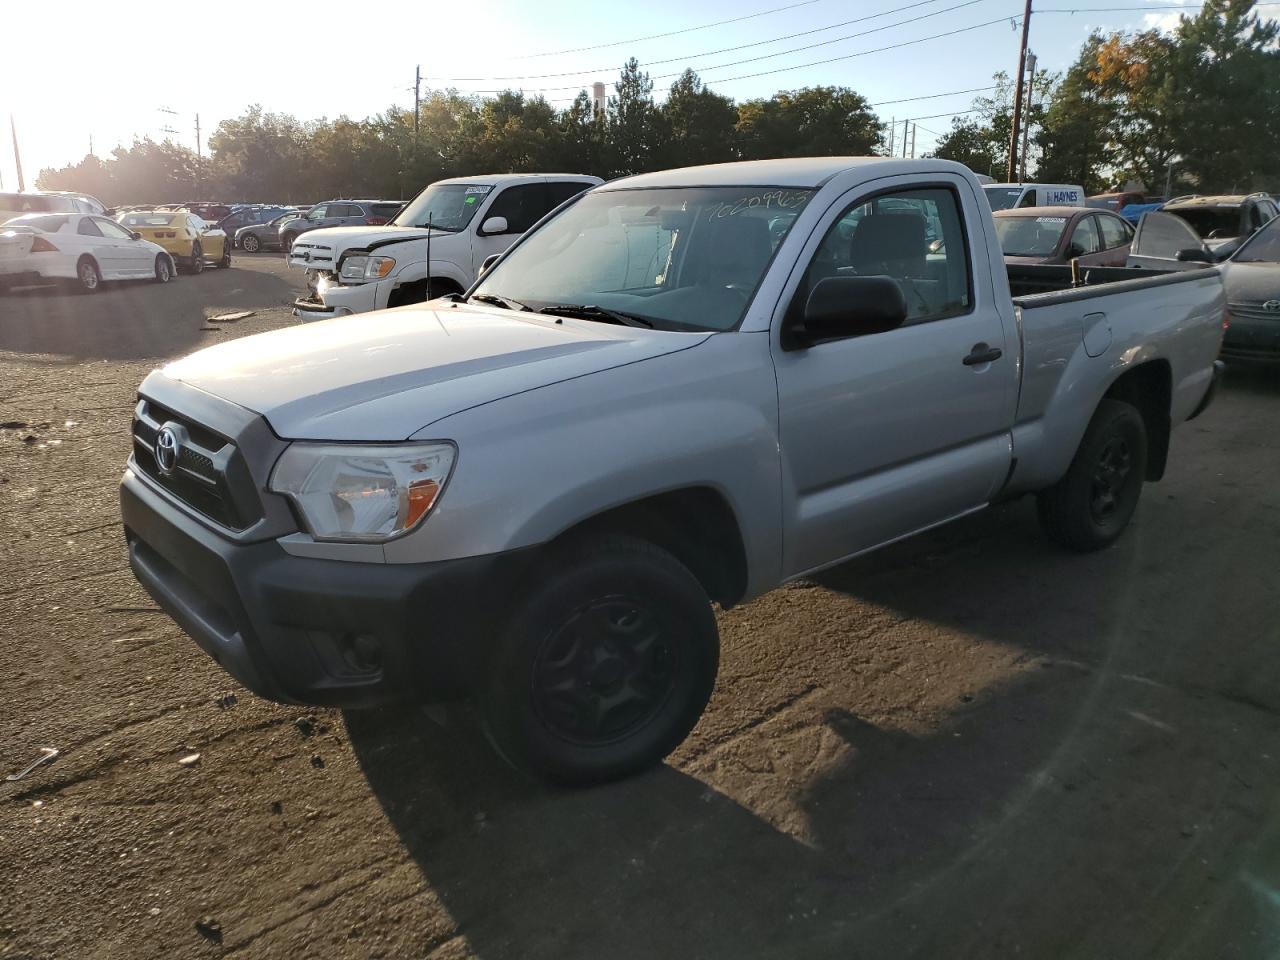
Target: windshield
(1002,198)
(1029,236)
(1263,247)
(679,258)
(147,219)
(449,206)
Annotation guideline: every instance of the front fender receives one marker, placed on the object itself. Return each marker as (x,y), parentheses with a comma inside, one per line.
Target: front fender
(534,465)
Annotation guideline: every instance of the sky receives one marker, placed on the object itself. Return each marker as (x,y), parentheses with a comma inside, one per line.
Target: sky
(73,70)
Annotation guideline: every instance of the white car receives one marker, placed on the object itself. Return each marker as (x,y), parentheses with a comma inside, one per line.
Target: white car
(46,201)
(85,249)
(358,269)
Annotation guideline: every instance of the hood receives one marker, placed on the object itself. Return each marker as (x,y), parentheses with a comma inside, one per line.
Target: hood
(386,375)
(322,248)
(1251,282)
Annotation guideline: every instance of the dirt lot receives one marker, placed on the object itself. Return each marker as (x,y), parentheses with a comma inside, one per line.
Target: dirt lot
(969,745)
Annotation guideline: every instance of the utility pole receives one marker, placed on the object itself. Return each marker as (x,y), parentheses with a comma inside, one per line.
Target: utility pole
(417,85)
(893,129)
(1017,95)
(17,157)
(906,131)
(1026,127)
(914,128)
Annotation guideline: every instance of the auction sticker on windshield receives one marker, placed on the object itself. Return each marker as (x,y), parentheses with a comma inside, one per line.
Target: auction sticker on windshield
(1051,219)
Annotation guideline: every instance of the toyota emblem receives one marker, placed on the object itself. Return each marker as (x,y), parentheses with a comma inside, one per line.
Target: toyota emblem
(1272,306)
(166,450)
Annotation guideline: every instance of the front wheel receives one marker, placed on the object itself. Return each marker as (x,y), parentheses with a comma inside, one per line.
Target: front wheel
(250,243)
(604,667)
(1091,506)
(164,269)
(197,258)
(88,276)
(225,262)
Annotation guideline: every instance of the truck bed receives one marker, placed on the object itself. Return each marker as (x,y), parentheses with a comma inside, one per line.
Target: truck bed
(1033,279)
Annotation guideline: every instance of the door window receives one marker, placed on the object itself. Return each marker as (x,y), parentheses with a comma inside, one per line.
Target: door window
(1084,239)
(113,230)
(1115,232)
(88,228)
(916,237)
(1028,199)
(523,206)
(558,193)
(318,213)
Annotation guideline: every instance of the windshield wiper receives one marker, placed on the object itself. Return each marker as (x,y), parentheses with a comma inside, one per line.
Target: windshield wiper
(589,311)
(505,302)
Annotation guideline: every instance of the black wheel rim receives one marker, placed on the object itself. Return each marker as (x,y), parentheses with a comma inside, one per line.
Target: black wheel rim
(605,672)
(1110,478)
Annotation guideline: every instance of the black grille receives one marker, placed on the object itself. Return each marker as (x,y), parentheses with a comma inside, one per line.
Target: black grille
(209,475)
(1253,311)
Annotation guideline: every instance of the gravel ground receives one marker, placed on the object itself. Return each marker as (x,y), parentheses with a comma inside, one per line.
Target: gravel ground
(967,745)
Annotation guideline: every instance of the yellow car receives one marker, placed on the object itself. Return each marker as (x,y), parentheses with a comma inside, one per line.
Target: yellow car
(189,240)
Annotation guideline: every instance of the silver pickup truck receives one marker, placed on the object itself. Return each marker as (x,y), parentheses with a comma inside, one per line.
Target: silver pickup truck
(680,390)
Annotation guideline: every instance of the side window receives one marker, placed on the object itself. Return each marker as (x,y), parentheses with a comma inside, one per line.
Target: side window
(113,230)
(88,228)
(346,210)
(1268,211)
(1114,232)
(1028,199)
(318,213)
(1084,239)
(559,192)
(522,205)
(916,237)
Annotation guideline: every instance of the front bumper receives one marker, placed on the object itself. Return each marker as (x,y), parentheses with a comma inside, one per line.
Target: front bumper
(1252,340)
(337,300)
(316,631)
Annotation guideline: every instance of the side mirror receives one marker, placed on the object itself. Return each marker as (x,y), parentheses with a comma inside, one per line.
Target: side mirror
(1193,255)
(494,225)
(841,307)
(491,259)
(135,235)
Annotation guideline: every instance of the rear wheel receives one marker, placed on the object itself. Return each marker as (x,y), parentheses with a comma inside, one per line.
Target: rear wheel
(1091,506)
(604,667)
(250,243)
(164,269)
(88,276)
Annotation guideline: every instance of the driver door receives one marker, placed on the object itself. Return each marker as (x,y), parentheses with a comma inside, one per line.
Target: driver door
(131,257)
(888,433)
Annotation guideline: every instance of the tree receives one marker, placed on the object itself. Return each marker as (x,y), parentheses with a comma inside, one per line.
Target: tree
(633,122)
(813,122)
(970,143)
(700,125)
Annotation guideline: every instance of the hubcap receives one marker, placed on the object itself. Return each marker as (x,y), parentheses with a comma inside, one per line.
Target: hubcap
(88,276)
(605,672)
(1109,478)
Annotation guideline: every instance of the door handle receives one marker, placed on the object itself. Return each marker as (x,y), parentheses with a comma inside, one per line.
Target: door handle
(981,353)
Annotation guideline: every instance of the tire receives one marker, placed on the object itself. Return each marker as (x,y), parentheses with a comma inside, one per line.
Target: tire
(88,276)
(197,258)
(286,244)
(250,243)
(1091,506)
(164,269)
(225,262)
(616,617)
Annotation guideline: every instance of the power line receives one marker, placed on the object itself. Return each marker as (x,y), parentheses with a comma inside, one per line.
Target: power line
(712,53)
(933,96)
(670,33)
(1184,7)
(737,63)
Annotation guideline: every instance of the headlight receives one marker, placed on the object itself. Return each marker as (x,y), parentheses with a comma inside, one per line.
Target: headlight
(366,268)
(347,491)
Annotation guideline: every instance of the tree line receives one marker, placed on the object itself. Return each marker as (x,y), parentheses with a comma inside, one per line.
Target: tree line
(1198,106)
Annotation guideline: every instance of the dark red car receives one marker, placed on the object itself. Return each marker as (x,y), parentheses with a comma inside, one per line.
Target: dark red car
(1097,238)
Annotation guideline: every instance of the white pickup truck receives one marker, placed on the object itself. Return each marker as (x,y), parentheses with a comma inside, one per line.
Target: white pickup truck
(358,269)
(685,388)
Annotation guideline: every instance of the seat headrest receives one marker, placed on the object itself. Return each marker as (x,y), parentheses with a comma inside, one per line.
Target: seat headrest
(889,242)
